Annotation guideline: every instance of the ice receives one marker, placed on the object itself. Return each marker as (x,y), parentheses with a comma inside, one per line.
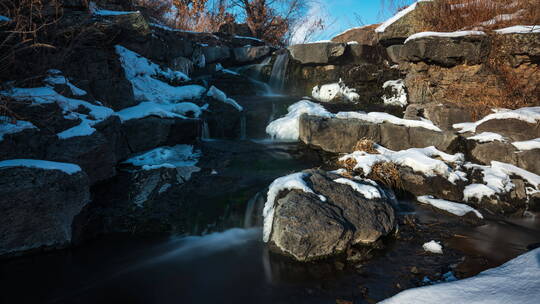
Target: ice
(7,127)
(444,34)
(289,182)
(451,207)
(399,96)
(221,96)
(288,127)
(368,191)
(41,164)
(516,281)
(527,145)
(330,92)
(433,247)
(487,137)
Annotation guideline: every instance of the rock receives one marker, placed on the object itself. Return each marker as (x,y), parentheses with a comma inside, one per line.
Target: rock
(346,217)
(409,24)
(443,116)
(394,53)
(438,186)
(236,84)
(485,153)
(341,135)
(249,54)
(447,51)
(515,129)
(317,53)
(363,35)
(216,53)
(362,54)
(150,132)
(239,29)
(93,153)
(38,207)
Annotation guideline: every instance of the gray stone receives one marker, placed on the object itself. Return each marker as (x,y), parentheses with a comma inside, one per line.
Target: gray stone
(394,52)
(216,53)
(443,116)
(515,129)
(38,207)
(317,53)
(248,53)
(447,51)
(347,218)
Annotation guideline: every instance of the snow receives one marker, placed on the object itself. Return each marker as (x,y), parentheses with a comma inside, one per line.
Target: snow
(527,145)
(141,72)
(221,96)
(444,34)
(527,114)
(502,17)
(509,169)
(55,77)
(519,29)
(433,247)
(41,164)
(516,281)
(6,127)
(182,110)
(330,92)
(166,157)
(487,137)
(70,106)
(399,96)
(289,182)
(250,38)
(418,159)
(381,117)
(288,127)
(496,180)
(368,191)
(352,29)
(4,19)
(398,16)
(95,10)
(451,207)
(477,191)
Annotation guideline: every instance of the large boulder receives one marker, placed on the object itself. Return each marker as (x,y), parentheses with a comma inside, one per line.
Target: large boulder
(307,228)
(447,51)
(405,23)
(216,53)
(515,129)
(443,116)
(485,153)
(317,53)
(38,206)
(337,135)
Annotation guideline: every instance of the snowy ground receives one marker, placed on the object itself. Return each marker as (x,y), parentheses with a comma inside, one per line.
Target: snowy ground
(517,281)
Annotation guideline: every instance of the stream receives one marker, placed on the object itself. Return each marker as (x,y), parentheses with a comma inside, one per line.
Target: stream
(225,262)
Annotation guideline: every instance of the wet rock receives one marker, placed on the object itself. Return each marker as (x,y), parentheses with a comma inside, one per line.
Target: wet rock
(317,53)
(446,51)
(150,132)
(341,135)
(249,53)
(346,219)
(38,207)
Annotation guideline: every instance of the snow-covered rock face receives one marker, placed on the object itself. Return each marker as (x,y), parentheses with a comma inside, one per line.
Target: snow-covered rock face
(528,114)
(448,206)
(9,127)
(334,92)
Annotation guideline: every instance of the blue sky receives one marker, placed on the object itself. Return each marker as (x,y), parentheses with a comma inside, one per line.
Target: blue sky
(342,13)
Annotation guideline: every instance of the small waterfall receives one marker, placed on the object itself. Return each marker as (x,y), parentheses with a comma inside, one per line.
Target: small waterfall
(243,135)
(253,215)
(205,131)
(279,70)
(273,113)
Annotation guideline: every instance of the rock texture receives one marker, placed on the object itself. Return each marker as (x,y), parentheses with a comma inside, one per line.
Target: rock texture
(38,207)
(365,35)
(345,219)
(341,135)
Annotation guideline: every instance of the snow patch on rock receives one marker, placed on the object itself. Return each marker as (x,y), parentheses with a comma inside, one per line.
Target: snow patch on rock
(448,206)
(221,96)
(367,191)
(288,127)
(41,164)
(444,34)
(527,114)
(333,91)
(399,96)
(7,127)
(527,145)
(487,137)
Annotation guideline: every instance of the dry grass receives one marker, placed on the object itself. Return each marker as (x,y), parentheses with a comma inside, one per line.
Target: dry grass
(387,174)
(366,145)
(455,15)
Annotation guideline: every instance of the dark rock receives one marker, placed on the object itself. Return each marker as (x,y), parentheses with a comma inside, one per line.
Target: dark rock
(216,53)
(150,132)
(438,186)
(38,207)
(249,54)
(317,53)
(446,51)
(346,217)
(341,135)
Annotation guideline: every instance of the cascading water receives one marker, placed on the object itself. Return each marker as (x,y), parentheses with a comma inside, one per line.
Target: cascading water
(243,134)
(279,70)
(205,131)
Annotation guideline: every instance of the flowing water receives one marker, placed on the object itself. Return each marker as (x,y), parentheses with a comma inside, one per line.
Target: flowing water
(227,262)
